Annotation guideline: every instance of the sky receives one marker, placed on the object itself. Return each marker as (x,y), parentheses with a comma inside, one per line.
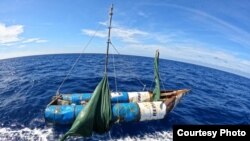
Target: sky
(210,33)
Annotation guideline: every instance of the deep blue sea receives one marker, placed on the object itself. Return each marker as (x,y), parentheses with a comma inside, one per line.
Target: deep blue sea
(27,85)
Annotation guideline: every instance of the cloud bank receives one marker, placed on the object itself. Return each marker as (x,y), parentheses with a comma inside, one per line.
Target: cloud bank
(11,35)
(190,51)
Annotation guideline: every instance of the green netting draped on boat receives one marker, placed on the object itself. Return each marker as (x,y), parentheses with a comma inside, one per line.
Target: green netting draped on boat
(157,90)
(96,116)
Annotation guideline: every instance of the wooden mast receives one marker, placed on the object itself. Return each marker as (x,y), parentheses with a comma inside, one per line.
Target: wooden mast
(108,41)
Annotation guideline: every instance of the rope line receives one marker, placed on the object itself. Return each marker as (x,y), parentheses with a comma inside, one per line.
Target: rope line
(162,83)
(144,85)
(76,61)
(115,73)
(151,85)
(116,81)
(115,48)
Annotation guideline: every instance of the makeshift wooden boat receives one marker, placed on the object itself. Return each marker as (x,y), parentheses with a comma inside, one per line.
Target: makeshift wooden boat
(97,112)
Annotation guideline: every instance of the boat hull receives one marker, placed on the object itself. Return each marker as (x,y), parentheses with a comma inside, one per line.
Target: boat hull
(121,112)
(116,97)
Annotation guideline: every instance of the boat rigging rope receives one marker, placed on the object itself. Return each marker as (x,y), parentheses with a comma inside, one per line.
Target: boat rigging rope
(150,88)
(114,48)
(116,91)
(76,61)
(114,73)
(130,72)
(162,83)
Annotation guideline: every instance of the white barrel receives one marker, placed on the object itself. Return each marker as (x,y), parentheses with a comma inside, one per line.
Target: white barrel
(152,110)
(139,96)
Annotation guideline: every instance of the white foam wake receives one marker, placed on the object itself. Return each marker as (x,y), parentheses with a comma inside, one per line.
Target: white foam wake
(25,134)
(156,136)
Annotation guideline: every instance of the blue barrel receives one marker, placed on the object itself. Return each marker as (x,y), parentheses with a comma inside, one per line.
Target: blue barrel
(126,112)
(77,98)
(121,97)
(66,114)
(62,114)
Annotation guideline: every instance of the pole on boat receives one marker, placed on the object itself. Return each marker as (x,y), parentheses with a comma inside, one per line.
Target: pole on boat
(108,41)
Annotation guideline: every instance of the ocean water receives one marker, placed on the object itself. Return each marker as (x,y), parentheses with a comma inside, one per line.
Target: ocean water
(27,85)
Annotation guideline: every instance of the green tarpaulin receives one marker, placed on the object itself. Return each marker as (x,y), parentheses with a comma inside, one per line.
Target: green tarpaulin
(157,90)
(96,116)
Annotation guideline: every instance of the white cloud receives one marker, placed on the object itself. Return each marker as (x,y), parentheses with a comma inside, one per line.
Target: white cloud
(103,23)
(129,35)
(234,33)
(8,44)
(10,34)
(34,40)
(21,46)
(142,14)
(196,55)
(125,34)
(90,32)
(174,48)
